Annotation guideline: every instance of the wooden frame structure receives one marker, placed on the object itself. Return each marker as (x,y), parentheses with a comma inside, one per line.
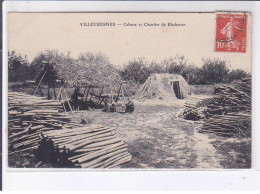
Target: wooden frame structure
(88,91)
(60,96)
(39,84)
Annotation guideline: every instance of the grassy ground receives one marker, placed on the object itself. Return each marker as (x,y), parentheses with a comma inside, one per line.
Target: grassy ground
(156,138)
(205,89)
(202,89)
(235,153)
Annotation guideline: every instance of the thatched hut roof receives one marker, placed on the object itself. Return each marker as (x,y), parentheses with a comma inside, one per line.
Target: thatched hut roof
(159,86)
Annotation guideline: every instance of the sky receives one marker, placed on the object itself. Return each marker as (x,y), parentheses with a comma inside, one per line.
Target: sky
(31,33)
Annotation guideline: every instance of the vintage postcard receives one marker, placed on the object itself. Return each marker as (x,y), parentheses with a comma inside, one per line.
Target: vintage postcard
(129,90)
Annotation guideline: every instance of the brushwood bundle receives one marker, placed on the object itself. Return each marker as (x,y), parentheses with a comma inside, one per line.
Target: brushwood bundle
(232,124)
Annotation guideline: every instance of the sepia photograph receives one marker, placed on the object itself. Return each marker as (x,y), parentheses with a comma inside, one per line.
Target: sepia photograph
(129,90)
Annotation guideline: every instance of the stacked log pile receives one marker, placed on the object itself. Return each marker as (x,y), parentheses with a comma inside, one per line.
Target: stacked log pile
(91,147)
(229,99)
(232,99)
(245,85)
(38,126)
(195,107)
(230,113)
(231,124)
(30,115)
(25,140)
(25,110)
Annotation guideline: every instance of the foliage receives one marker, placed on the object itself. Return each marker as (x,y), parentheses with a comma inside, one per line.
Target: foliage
(179,65)
(237,74)
(136,70)
(214,71)
(176,65)
(17,67)
(95,68)
(192,74)
(139,70)
(88,68)
(45,63)
(156,68)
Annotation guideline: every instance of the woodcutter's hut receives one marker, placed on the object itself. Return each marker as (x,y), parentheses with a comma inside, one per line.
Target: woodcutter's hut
(163,86)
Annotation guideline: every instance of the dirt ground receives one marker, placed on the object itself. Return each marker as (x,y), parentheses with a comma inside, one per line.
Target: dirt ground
(156,138)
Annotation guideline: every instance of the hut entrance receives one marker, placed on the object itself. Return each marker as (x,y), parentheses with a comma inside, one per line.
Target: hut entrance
(177,89)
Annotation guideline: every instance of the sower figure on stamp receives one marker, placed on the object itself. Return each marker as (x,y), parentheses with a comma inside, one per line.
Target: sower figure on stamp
(228,30)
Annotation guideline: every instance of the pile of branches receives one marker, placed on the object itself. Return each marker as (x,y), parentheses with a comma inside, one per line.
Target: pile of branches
(194,113)
(28,117)
(25,110)
(230,113)
(232,124)
(195,108)
(231,99)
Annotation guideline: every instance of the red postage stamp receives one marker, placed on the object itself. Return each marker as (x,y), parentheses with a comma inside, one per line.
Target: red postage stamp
(231,32)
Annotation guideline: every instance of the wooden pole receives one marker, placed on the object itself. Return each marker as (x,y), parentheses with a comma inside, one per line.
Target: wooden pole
(87,93)
(111,92)
(123,107)
(39,82)
(123,93)
(100,100)
(59,95)
(54,92)
(40,90)
(119,92)
(48,92)
(67,99)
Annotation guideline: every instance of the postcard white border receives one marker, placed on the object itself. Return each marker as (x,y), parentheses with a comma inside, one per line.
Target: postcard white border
(133,179)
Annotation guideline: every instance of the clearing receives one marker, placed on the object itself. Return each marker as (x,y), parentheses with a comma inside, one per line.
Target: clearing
(156,138)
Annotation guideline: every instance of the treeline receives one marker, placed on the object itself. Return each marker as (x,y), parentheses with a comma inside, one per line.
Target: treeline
(96,68)
(213,71)
(88,67)
(19,68)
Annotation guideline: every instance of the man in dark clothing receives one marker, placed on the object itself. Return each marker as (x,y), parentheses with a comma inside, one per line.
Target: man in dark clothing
(129,106)
(76,94)
(74,100)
